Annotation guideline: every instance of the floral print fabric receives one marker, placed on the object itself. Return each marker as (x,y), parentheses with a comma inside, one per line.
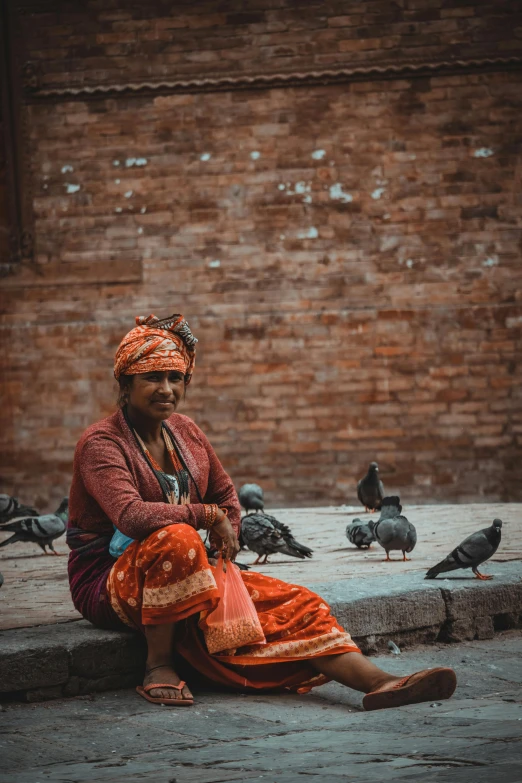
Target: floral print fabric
(167,578)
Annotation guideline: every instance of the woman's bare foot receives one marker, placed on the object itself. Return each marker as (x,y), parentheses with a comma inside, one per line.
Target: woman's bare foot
(165,674)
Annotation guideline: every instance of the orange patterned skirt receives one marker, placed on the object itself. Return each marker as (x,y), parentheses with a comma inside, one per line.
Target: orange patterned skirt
(166,578)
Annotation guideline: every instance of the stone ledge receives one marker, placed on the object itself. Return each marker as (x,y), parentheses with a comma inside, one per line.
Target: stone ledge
(68,659)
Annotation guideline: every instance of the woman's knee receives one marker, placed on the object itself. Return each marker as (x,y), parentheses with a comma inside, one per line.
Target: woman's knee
(176,536)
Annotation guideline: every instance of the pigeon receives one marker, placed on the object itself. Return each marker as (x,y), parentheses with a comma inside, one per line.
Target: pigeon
(394,531)
(11,508)
(41,530)
(360,533)
(1,580)
(251,497)
(370,489)
(474,550)
(300,550)
(266,536)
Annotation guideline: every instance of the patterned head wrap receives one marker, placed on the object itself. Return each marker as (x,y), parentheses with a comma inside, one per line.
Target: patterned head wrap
(154,344)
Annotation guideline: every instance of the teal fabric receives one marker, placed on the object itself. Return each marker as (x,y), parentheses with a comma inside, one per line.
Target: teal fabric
(119,543)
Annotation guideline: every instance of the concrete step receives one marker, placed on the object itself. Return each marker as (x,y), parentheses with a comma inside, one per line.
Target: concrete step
(71,658)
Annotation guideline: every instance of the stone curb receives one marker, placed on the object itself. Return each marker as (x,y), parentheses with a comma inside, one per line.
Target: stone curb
(69,659)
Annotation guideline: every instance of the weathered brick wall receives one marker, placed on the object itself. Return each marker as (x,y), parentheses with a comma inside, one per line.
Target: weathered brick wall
(120,40)
(348,254)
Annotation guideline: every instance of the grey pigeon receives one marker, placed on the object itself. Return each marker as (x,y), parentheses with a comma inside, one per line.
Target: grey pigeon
(298,550)
(41,530)
(251,497)
(264,538)
(361,533)
(10,508)
(474,550)
(370,489)
(393,530)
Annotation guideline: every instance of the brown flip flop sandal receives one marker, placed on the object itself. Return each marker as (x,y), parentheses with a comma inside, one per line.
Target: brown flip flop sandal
(144,690)
(430,684)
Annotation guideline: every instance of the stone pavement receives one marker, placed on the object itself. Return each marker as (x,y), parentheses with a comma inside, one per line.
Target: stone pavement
(475,737)
(36,591)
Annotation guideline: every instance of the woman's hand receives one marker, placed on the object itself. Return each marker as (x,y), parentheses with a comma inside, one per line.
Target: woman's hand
(224,536)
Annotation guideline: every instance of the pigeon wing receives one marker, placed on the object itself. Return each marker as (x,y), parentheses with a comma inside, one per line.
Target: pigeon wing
(295,548)
(260,535)
(360,491)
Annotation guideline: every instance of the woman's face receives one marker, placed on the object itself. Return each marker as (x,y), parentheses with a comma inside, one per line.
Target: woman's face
(156,395)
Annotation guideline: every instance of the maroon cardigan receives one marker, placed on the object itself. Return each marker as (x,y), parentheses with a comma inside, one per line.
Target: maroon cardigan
(113,484)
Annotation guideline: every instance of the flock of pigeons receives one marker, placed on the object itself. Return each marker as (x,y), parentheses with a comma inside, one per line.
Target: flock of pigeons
(265,535)
(393,531)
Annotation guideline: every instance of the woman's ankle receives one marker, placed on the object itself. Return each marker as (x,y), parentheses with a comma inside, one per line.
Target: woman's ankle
(152,664)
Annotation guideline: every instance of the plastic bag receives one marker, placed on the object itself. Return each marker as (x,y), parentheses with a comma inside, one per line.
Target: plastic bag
(234,622)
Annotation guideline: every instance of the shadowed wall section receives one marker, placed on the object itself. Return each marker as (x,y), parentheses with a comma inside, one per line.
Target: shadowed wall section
(348,254)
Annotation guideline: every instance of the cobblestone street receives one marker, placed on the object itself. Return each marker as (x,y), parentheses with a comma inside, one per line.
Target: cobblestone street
(117,737)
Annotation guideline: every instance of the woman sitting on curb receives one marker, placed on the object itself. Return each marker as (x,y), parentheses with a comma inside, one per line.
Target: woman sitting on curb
(151,474)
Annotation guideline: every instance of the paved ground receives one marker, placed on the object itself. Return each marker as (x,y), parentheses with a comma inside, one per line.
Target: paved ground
(473,738)
(36,591)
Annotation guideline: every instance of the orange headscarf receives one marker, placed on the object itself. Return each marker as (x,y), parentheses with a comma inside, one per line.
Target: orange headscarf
(154,344)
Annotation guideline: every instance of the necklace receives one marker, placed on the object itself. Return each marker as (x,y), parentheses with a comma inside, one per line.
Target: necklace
(178,491)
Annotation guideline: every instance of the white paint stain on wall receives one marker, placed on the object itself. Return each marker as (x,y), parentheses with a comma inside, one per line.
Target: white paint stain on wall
(206,156)
(215,263)
(143,210)
(377,193)
(72,188)
(118,209)
(67,168)
(318,154)
(281,186)
(116,181)
(409,263)
(115,162)
(483,152)
(255,155)
(337,193)
(128,193)
(140,230)
(308,233)
(130,162)
(491,261)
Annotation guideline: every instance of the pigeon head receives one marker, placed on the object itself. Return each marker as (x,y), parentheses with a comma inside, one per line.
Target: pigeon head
(63,508)
(373,467)
(497,523)
(392,500)
(371,524)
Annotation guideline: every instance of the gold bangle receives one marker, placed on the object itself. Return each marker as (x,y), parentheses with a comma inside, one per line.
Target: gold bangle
(211,511)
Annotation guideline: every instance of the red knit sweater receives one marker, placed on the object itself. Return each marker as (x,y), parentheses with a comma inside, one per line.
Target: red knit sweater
(113,484)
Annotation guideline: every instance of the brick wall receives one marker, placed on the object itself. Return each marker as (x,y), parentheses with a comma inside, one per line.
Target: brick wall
(348,254)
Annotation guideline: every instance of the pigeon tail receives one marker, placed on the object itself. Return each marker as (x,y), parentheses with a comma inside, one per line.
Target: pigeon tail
(11,540)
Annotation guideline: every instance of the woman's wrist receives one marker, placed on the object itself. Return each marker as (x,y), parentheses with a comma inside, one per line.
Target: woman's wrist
(211,515)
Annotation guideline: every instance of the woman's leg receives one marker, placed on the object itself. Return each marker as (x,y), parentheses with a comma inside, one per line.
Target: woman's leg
(158,667)
(354,670)
(385,690)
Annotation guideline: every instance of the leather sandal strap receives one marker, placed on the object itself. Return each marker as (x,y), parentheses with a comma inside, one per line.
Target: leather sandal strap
(152,685)
(403,681)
